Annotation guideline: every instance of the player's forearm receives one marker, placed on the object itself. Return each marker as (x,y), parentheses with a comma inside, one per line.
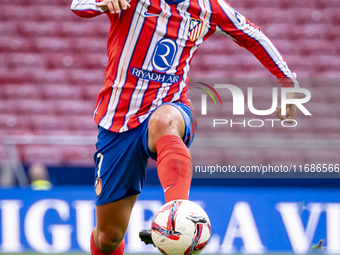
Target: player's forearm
(86,8)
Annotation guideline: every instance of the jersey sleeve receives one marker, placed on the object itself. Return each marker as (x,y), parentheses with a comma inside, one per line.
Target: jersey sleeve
(235,26)
(86,8)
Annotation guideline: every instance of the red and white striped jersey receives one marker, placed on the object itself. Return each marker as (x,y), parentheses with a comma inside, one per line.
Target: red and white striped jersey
(151,45)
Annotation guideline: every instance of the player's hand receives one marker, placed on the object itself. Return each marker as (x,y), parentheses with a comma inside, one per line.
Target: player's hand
(114,6)
(290,111)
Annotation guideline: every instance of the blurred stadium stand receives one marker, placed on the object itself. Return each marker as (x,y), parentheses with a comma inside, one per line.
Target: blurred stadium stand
(52,67)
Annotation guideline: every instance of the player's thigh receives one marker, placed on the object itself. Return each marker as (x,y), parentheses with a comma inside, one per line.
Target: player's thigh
(120,164)
(165,120)
(113,219)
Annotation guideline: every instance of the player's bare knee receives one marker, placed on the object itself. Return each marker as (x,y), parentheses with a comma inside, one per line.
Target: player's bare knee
(109,241)
(162,124)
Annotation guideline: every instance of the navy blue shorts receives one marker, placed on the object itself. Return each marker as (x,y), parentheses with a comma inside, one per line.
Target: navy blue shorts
(121,158)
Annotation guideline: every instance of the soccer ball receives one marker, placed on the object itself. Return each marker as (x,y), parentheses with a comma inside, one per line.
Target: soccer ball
(180,227)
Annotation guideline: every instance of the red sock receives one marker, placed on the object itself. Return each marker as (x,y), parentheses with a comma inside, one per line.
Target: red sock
(95,251)
(173,167)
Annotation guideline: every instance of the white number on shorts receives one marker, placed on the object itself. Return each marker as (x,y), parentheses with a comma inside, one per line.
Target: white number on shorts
(101,156)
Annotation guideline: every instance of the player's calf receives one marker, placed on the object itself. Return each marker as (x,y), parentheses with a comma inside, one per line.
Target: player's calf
(173,167)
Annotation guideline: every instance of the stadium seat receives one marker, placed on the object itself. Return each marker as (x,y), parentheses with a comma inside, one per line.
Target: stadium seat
(52,132)
(53,44)
(249,63)
(82,76)
(78,29)
(260,73)
(48,76)
(325,63)
(287,47)
(317,47)
(22,60)
(333,93)
(310,31)
(14,76)
(327,4)
(85,28)
(204,156)
(251,4)
(337,44)
(10,122)
(8,106)
(283,156)
(310,16)
(9,28)
(74,107)
(47,122)
(321,109)
(214,62)
(92,45)
(15,43)
(62,60)
(79,155)
(328,74)
(93,61)
(62,91)
(26,91)
(33,28)
(34,106)
(47,154)
(79,122)
(38,3)
(11,12)
(90,92)
(277,31)
(327,125)
(46,13)
(217,44)
(333,12)
(324,156)
(298,63)
(3,62)
(272,15)
(242,156)
(334,33)
(86,132)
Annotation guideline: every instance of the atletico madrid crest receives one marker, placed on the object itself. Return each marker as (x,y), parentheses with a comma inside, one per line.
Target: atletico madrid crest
(195,29)
(98,187)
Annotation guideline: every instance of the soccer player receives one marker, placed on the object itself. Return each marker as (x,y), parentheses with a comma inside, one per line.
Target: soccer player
(143,110)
